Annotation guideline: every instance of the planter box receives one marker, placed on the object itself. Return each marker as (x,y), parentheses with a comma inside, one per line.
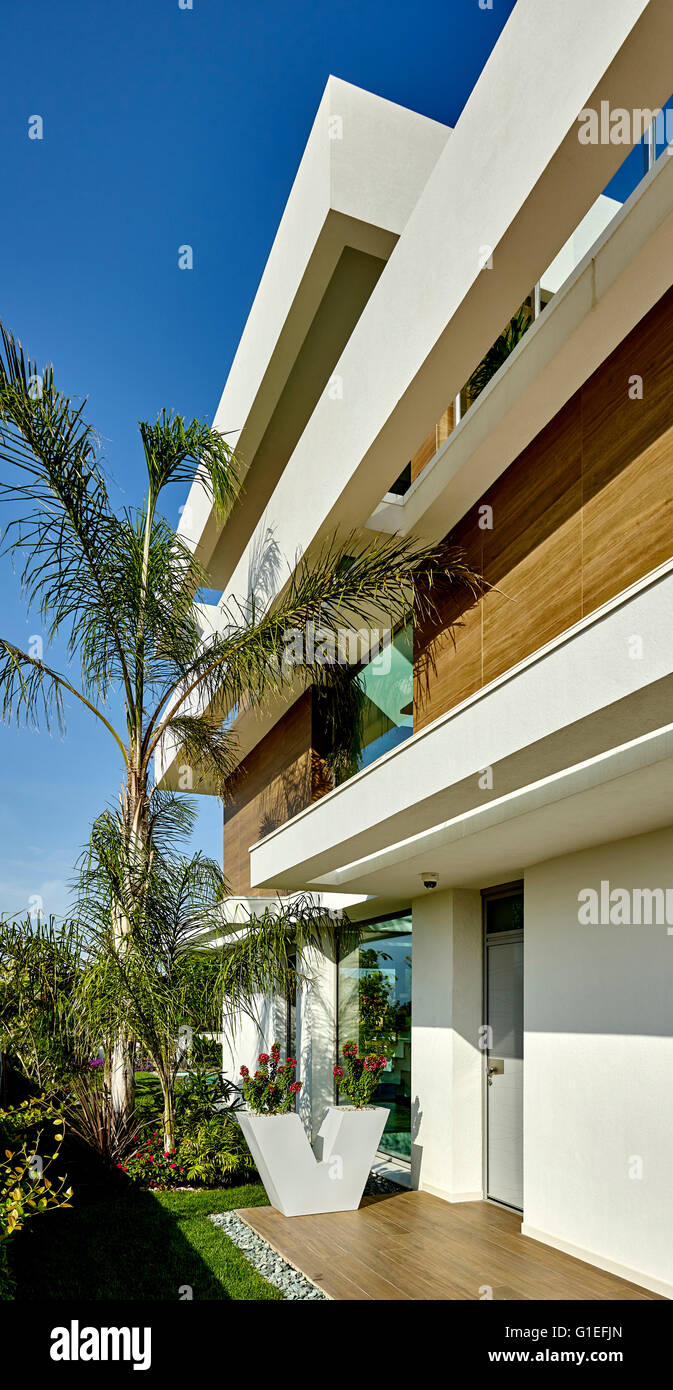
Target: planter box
(300,1181)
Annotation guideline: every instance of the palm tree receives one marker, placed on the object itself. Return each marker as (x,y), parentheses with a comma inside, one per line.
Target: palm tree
(181,966)
(504,344)
(120,585)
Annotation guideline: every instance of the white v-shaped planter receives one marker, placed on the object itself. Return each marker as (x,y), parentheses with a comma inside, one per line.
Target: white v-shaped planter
(331,1176)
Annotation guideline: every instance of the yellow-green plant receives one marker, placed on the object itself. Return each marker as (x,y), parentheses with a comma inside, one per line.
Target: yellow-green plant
(31,1134)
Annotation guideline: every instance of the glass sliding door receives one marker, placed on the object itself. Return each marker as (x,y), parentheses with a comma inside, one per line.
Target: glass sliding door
(374,1011)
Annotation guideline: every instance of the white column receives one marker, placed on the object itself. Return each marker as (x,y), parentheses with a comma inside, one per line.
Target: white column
(316,1036)
(446,1061)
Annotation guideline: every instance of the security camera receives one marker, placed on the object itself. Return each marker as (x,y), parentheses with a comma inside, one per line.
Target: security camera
(430,880)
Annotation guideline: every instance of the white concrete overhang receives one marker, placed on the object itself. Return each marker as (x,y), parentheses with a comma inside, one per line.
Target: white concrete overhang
(434,312)
(238,911)
(364,166)
(612,288)
(574,716)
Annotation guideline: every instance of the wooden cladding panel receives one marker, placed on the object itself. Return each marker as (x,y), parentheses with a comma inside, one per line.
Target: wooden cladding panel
(586,510)
(533,554)
(448,648)
(628,452)
(280,777)
(431,443)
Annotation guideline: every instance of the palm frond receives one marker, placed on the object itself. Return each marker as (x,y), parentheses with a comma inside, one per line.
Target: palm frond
(174,450)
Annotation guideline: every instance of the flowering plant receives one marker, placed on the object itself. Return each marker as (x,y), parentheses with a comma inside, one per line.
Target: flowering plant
(154,1166)
(358,1078)
(272,1089)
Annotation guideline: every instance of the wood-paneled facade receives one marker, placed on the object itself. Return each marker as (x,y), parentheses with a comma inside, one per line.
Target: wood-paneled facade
(584,511)
(280,776)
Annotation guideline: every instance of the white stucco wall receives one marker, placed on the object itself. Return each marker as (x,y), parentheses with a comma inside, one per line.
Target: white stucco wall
(316,1036)
(598,1116)
(446,1063)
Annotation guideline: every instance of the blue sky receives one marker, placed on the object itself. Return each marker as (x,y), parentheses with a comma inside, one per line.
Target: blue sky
(165,126)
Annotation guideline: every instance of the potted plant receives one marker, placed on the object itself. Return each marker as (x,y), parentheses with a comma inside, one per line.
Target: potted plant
(301,1180)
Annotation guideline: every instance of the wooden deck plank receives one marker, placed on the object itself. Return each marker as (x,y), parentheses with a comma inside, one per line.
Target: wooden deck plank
(413,1246)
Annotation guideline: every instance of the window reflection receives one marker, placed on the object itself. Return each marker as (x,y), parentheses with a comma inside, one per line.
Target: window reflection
(374,1009)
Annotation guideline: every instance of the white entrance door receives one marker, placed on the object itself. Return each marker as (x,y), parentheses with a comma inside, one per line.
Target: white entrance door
(504,1015)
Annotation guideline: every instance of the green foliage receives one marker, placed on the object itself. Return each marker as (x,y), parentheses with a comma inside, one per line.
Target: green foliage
(358,1078)
(499,352)
(210,1152)
(196,1096)
(215,1153)
(107,1131)
(31,1135)
(40,967)
(206,1052)
(151,1165)
(380,1019)
(272,1090)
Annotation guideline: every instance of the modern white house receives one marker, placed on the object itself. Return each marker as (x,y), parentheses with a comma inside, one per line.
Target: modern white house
(507,843)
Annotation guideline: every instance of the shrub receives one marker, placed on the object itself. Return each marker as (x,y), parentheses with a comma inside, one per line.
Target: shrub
(272,1090)
(206,1052)
(358,1078)
(152,1165)
(196,1096)
(93,1119)
(26,1190)
(213,1153)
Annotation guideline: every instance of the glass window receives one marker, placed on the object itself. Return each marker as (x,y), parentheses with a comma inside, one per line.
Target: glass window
(374,1011)
(388,685)
(504,913)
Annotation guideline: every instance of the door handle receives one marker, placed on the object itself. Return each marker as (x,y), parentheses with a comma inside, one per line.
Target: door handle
(496,1067)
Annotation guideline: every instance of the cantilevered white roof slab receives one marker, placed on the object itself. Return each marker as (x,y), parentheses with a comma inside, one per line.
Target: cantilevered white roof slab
(364,167)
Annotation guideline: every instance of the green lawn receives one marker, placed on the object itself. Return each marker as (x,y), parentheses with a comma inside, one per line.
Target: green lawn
(136,1244)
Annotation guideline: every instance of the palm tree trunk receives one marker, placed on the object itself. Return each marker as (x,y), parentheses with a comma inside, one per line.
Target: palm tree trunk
(168,1092)
(122,1076)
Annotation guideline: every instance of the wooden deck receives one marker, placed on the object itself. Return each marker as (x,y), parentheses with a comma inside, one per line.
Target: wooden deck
(413,1246)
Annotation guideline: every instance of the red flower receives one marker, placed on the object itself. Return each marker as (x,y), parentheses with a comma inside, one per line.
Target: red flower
(244,1071)
(290,1061)
(295,1087)
(338,1072)
(275,1050)
(263,1058)
(349,1050)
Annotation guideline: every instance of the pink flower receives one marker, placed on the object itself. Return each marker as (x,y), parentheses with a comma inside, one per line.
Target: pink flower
(174,1165)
